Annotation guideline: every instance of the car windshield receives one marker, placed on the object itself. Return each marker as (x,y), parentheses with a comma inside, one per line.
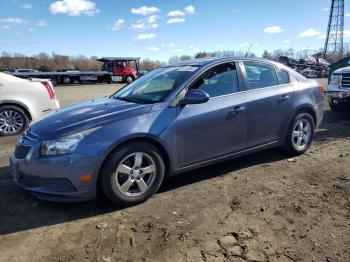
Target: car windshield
(154,86)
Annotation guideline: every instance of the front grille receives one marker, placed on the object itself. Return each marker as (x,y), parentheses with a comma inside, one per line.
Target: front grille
(21,151)
(345,82)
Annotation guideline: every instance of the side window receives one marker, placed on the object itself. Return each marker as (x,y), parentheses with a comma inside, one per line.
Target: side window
(283,76)
(218,81)
(260,75)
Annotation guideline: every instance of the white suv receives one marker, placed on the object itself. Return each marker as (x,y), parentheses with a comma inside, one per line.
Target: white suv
(22,101)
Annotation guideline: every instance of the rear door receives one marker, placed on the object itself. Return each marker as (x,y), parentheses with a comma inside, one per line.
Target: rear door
(270,101)
(217,127)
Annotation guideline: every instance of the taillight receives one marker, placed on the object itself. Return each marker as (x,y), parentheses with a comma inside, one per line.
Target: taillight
(49,89)
(321,89)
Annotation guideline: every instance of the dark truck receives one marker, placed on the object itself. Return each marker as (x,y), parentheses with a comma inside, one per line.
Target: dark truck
(114,69)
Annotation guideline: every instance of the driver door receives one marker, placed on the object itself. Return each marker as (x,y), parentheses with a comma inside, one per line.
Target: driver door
(215,128)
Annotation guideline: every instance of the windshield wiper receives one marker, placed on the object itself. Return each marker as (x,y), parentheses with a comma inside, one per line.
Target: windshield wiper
(129,99)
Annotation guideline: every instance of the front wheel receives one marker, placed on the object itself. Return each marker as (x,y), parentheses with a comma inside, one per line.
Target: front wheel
(300,134)
(132,173)
(129,79)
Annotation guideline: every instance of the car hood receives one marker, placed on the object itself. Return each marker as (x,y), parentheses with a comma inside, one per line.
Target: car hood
(84,116)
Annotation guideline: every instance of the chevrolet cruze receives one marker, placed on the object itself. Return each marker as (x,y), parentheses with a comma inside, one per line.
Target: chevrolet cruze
(176,118)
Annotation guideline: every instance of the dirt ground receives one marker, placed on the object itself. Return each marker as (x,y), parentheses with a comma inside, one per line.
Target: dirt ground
(262,207)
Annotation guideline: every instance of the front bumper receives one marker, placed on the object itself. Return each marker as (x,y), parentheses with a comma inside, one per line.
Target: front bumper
(339,94)
(54,178)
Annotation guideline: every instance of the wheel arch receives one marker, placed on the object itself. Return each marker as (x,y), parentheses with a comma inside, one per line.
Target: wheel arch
(147,139)
(17,104)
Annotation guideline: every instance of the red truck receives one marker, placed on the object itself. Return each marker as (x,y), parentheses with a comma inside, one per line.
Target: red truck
(114,69)
(121,69)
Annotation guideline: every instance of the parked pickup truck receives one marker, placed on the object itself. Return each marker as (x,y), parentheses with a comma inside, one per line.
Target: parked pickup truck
(338,91)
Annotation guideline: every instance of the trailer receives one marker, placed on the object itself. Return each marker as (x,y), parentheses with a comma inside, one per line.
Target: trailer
(114,69)
(306,67)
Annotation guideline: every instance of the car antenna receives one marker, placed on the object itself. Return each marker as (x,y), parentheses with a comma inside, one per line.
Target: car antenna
(250,47)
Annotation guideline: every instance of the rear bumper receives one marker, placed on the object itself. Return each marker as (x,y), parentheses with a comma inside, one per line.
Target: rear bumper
(42,111)
(319,108)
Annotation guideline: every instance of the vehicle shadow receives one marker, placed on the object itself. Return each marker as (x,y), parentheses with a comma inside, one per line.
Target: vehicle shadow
(334,125)
(21,211)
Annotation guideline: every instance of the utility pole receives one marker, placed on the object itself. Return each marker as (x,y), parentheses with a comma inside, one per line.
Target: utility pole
(334,44)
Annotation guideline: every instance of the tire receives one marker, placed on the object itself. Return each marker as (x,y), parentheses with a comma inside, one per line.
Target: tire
(131,185)
(67,80)
(129,79)
(13,120)
(335,107)
(305,136)
(54,81)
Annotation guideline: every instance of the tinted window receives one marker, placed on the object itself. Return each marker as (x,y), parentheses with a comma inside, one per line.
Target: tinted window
(283,76)
(260,75)
(218,81)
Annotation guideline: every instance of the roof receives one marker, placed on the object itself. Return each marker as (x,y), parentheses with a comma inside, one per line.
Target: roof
(107,59)
(209,60)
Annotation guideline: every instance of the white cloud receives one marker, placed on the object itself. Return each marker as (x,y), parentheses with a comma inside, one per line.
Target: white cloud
(17,21)
(153,48)
(74,8)
(309,33)
(27,6)
(144,26)
(30,30)
(326,9)
(190,46)
(346,33)
(190,9)
(6,27)
(145,10)
(171,44)
(118,24)
(41,23)
(152,19)
(273,29)
(176,13)
(145,36)
(286,41)
(176,20)
(348,14)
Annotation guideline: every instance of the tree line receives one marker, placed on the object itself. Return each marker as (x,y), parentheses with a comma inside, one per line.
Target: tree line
(45,62)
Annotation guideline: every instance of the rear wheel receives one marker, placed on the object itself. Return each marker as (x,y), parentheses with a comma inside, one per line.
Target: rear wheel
(300,134)
(132,174)
(13,120)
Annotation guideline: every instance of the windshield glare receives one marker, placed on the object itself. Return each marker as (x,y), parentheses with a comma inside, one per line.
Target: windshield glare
(156,85)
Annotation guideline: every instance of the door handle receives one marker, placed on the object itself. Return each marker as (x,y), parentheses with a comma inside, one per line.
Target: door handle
(284,97)
(238,109)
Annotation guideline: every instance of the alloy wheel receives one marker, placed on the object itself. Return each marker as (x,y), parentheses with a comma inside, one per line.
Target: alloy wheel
(11,122)
(135,174)
(301,134)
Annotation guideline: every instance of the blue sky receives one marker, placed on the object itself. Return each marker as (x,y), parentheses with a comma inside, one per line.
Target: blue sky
(160,29)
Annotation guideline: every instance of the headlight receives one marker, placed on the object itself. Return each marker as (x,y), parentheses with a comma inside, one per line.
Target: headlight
(335,80)
(64,145)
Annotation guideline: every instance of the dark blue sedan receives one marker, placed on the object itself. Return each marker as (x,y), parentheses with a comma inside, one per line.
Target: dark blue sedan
(176,118)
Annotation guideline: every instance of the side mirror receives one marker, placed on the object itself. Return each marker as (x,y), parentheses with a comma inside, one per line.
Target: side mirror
(195,96)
